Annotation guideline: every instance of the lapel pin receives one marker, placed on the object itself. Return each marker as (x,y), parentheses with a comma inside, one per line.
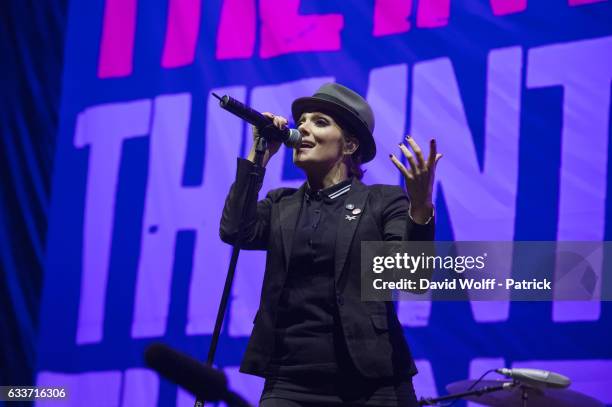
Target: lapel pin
(349,206)
(349,217)
(356,211)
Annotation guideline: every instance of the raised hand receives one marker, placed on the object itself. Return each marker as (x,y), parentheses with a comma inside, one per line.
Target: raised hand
(419,178)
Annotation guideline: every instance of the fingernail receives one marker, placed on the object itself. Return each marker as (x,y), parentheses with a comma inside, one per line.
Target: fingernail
(408,137)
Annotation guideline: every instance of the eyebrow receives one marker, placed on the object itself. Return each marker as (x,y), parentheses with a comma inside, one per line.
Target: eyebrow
(315,115)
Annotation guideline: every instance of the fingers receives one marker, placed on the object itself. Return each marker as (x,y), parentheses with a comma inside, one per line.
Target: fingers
(410,158)
(417,150)
(433,154)
(279,121)
(438,156)
(417,164)
(432,159)
(400,166)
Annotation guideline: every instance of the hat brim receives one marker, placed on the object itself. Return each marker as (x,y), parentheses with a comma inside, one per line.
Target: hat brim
(367,146)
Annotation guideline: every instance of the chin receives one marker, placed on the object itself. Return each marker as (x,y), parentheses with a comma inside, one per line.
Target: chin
(301,159)
(308,162)
(300,163)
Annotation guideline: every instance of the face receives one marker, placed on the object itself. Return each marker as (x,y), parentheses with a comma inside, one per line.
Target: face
(323,141)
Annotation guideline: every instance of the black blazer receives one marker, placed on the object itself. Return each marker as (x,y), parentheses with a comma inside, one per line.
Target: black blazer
(373,334)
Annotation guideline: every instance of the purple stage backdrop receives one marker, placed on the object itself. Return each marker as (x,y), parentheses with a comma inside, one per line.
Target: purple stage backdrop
(516,92)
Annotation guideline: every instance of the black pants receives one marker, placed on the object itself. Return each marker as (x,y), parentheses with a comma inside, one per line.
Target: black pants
(338,390)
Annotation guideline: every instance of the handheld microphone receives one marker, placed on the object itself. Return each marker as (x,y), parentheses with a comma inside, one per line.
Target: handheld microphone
(204,382)
(291,137)
(536,377)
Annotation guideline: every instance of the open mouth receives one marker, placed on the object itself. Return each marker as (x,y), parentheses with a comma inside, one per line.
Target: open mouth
(306,144)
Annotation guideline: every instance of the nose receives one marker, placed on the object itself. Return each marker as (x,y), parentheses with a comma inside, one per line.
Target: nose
(303,129)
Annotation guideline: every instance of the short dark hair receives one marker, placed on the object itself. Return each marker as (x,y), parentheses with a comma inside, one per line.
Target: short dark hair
(354,166)
(353,161)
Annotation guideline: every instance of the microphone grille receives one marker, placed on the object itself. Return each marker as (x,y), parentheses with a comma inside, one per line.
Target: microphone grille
(294,139)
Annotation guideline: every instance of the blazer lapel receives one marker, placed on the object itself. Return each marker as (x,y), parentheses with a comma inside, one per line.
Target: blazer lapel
(289,209)
(348,222)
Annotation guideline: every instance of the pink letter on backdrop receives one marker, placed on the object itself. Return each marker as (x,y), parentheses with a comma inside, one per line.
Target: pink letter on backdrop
(433,13)
(181,33)
(581,2)
(502,7)
(284,30)
(117,43)
(391,17)
(236,36)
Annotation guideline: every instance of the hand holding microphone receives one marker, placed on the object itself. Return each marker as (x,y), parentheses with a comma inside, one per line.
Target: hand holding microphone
(276,122)
(273,128)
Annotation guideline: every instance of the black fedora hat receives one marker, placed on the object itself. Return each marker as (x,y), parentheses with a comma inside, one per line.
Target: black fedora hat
(352,111)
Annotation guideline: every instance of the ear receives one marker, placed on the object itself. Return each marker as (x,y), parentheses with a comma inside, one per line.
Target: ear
(350,145)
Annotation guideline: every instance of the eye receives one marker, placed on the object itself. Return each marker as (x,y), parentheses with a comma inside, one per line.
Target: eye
(321,122)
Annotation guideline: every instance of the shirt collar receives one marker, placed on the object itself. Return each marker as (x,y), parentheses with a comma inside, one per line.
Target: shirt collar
(331,193)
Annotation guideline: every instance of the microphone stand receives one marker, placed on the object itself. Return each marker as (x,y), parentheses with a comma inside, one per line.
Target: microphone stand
(260,148)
